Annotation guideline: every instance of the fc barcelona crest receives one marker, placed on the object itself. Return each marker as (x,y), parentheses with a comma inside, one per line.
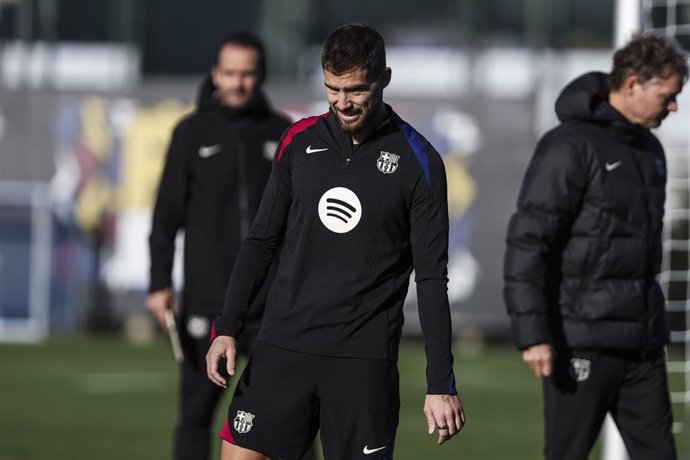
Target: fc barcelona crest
(243,421)
(580,369)
(387,162)
(270,149)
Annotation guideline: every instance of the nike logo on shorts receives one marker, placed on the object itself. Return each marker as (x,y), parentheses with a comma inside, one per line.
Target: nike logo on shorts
(368,451)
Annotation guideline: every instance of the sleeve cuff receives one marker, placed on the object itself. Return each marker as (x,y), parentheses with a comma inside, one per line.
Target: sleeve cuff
(445,388)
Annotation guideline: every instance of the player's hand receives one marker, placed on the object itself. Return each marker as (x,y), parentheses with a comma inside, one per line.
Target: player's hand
(158,302)
(223,347)
(539,358)
(445,414)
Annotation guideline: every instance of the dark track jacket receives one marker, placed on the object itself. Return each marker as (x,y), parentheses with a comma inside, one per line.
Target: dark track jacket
(584,246)
(217,166)
(351,221)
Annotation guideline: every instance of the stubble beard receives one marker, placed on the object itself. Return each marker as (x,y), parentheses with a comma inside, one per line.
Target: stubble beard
(356,127)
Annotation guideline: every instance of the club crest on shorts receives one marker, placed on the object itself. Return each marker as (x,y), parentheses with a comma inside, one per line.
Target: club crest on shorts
(580,369)
(387,162)
(243,421)
(198,327)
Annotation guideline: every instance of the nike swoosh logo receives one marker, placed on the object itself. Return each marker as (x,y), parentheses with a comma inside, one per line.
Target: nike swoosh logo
(611,166)
(205,152)
(368,451)
(311,150)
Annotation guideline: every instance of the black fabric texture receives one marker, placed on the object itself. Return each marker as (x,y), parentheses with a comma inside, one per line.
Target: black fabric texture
(633,387)
(584,246)
(216,168)
(341,294)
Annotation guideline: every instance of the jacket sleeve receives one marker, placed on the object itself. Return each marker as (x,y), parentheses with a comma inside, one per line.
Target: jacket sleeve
(429,239)
(258,250)
(549,202)
(169,211)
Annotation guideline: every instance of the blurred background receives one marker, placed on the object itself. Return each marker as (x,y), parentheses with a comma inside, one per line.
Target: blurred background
(89,92)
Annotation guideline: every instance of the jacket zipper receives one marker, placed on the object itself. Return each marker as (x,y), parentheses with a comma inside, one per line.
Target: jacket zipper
(243,192)
(348,152)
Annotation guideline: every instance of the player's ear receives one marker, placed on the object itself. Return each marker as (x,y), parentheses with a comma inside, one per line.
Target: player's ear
(386,77)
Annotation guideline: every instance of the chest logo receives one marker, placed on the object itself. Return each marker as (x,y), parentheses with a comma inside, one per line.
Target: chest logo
(270,149)
(205,152)
(243,421)
(387,162)
(310,150)
(611,166)
(340,210)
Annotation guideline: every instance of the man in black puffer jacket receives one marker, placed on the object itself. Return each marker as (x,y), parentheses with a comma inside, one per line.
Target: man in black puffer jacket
(217,166)
(584,248)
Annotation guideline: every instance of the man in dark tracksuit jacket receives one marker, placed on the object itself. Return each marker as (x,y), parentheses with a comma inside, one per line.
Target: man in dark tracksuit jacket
(215,172)
(584,248)
(356,198)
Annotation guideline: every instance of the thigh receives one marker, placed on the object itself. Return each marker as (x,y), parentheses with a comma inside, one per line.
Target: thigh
(274,408)
(360,404)
(643,410)
(577,397)
(198,395)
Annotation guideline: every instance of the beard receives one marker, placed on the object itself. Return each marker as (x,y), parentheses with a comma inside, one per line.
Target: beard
(357,126)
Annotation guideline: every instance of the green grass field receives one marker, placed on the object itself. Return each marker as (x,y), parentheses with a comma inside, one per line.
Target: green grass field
(100,399)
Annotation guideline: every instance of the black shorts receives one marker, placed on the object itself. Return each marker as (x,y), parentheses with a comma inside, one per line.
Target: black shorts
(284,397)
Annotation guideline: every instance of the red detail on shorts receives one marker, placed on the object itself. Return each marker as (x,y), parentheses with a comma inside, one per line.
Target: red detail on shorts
(225,433)
(214,334)
(296,129)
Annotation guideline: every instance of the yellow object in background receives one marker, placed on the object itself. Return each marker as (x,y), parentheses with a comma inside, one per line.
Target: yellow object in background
(96,133)
(462,188)
(144,145)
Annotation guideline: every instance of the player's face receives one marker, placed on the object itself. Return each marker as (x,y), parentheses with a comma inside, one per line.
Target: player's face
(355,97)
(651,101)
(236,76)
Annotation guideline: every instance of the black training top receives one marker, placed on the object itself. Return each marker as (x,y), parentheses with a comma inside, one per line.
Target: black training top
(214,176)
(350,222)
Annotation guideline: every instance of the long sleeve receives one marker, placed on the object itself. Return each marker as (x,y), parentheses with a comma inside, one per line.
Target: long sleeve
(169,211)
(429,238)
(549,201)
(258,250)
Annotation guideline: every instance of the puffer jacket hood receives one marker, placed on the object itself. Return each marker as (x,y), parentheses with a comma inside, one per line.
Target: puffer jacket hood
(586,99)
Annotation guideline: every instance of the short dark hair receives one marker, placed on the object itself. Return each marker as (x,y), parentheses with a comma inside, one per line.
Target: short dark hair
(648,56)
(354,46)
(247,40)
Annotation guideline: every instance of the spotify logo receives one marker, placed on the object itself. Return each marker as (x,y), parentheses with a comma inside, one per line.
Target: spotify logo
(340,210)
